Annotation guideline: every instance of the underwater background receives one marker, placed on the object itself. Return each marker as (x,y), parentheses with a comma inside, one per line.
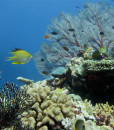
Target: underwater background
(57,65)
(23,24)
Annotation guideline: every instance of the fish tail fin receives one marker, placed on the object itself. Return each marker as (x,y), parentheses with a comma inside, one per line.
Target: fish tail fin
(9,58)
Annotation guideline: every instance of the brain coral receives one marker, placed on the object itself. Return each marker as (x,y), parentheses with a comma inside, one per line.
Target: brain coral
(47,109)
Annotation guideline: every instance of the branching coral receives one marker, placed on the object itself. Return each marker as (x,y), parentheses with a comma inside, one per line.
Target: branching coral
(98,117)
(103,113)
(49,108)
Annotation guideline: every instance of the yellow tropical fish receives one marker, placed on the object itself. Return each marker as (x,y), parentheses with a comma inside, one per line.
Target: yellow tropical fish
(19,56)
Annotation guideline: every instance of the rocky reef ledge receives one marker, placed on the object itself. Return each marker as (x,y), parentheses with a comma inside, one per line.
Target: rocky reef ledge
(92,79)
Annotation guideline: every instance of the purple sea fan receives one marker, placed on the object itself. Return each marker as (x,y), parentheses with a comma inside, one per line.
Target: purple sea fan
(97,21)
(94,25)
(51,57)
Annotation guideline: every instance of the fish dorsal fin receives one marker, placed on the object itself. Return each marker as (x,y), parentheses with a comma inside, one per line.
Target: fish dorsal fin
(16,49)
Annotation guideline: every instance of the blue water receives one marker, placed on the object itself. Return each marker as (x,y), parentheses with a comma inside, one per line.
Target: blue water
(23,24)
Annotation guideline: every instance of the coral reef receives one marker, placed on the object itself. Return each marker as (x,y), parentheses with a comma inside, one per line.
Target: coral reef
(54,109)
(48,110)
(87,78)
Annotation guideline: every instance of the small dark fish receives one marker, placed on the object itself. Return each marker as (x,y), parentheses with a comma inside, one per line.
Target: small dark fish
(45,72)
(58,40)
(71,29)
(65,48)
(74,35)
(80,53)
(54,33)
(77,7)
(101,33)
(42,59)
(96,55)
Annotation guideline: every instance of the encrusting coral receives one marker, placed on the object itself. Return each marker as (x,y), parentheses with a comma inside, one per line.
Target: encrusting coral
(49,108)
(79,66)
(91,65)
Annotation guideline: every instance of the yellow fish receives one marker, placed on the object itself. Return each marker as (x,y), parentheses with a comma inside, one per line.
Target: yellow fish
(19,56)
